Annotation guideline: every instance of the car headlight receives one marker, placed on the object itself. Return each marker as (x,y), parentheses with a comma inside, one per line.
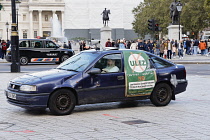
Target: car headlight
(28,88)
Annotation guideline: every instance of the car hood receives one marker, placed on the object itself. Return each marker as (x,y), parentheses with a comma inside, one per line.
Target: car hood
(43,76)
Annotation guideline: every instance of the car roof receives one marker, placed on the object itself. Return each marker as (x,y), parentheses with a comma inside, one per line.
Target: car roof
(36,39)
(110,51)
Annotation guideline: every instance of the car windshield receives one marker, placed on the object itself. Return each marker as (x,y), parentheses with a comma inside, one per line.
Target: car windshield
(79,62)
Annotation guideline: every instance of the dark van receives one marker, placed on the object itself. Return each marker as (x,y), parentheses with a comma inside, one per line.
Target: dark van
(40,50)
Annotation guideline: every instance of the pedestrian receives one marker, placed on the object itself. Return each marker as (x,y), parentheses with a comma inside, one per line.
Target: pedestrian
(108,43)
(195,46)
(174,50)
(146,46)
(202,47)
(169,49)
(113,43)
(162,47)
(121,45)
(117,43)
(206,50)
(129,45)
(188,46)
(180,49)
(157,47)
(65,46)
(208,46)
(151,47)
(0,49)
(134,46)
(82,45)
(140,45)
(3,48)
(69,45)
(8,43)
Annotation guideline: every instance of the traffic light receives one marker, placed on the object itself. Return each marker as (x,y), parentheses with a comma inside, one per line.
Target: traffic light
(157,27)
(151,24)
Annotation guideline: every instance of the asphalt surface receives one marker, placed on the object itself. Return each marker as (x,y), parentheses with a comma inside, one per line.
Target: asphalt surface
(186,118)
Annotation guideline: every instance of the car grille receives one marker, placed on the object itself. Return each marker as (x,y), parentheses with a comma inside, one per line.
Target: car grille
(14,86)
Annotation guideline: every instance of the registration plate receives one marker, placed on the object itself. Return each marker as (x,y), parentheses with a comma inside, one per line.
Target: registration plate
(11,95)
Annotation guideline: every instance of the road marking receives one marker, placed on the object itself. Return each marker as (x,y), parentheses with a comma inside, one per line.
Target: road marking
(110,116)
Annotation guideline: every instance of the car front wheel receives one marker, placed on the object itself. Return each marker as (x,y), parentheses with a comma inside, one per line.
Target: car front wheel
(62,102)
(161,95)
(24,60)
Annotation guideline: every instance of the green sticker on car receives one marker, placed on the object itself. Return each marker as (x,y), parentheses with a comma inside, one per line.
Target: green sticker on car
(140,78)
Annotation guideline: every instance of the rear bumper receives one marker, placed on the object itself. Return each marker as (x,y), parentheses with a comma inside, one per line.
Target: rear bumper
(181,86)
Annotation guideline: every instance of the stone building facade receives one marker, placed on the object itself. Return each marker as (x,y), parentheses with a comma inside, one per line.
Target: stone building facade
(78,18)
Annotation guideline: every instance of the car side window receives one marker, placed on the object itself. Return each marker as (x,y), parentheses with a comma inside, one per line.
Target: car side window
(159,63)
(37,44)
(24,44)
(109,63)
(50,44)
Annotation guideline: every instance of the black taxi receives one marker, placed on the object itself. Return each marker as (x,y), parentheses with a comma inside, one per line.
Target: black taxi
(99,76)
(40,50)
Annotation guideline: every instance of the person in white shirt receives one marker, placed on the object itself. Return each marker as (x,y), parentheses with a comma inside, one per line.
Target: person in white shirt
(110,66)
(133,45)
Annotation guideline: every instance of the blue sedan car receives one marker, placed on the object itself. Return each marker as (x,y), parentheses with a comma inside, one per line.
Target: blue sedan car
(97,77)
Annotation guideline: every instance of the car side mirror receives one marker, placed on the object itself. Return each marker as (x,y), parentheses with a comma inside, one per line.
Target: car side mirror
(94,71)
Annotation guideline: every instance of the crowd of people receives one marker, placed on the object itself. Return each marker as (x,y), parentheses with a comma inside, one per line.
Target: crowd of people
(165,48)
(3,48)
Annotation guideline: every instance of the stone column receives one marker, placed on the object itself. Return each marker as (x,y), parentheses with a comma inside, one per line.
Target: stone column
(53,16)
(62,22)
(31,24)
(40,24)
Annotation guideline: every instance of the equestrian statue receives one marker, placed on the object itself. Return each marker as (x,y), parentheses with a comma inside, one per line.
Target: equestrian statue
(105,16)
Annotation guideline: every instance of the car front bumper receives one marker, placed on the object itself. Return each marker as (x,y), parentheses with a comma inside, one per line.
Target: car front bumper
(27,100)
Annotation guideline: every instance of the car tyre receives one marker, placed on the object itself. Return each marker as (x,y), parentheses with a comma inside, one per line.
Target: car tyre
(64,58)
(24,60)
(161,95)
(62,102)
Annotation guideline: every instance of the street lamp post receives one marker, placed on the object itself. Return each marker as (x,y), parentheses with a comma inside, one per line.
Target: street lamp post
(7,26)
(179,9)
(15,66)
(17,5)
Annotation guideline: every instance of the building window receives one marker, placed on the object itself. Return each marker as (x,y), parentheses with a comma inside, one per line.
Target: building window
(35,34)
(24,17)
(24,34)
(46,17)
(35,18)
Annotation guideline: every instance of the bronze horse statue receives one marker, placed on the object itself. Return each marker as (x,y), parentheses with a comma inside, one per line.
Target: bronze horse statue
(105,17)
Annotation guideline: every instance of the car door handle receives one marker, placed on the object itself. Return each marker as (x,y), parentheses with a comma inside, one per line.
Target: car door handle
(120,77)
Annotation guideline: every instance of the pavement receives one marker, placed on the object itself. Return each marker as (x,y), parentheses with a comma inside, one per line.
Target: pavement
(186,118)
(187,59)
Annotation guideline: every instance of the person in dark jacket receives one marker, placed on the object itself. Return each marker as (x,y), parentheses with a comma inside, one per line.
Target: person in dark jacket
(188,46)
(195,46)
(140,45)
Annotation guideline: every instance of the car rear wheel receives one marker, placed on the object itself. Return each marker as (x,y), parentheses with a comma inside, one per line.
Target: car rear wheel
(62,102)
(161,95)
(64,58)
(24,60)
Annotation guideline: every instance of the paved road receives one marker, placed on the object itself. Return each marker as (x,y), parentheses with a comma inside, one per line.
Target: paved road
(187,118)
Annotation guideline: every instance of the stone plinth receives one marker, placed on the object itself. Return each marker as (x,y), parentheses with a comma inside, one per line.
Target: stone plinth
(105,34)
(173,32)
